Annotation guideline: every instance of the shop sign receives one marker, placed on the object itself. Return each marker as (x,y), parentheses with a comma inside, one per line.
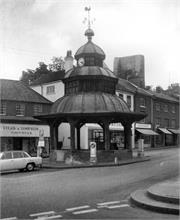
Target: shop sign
(116,126)
(139,125)
(24,130)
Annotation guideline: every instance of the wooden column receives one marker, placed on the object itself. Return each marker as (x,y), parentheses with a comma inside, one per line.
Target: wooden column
(106,134)
(53,136)
(127,136)
(78,138)
(72,135)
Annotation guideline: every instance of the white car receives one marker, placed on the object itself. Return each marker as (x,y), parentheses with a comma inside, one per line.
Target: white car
(18,160)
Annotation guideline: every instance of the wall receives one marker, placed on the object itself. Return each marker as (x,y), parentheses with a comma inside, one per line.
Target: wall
(58,93)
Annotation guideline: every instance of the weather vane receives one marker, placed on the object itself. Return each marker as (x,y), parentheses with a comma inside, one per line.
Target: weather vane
(87,19)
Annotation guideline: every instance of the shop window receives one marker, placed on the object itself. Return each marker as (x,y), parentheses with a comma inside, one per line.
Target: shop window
(20,109)
(166,122)
(37,109)
(50,90)
(3,108)
(165,108)
(158,122)
(173,109)
(158,107)
(142,102)
(173,123)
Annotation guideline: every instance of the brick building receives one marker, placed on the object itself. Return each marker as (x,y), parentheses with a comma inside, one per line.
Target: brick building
(18,129)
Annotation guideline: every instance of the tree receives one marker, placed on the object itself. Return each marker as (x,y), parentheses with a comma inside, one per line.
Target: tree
(31,75)
(57,64)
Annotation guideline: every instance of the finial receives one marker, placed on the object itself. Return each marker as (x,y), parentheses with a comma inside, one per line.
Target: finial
(89,32)
(88,9)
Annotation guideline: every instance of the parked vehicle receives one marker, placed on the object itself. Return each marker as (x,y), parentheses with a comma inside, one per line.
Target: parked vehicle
(18,160)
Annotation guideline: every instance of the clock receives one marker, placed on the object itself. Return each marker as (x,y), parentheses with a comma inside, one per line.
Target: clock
(81,61)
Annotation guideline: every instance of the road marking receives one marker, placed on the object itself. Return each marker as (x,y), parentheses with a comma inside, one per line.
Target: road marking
(117,206)
(11,218)
(78,207)
(49,217)
(42,213)
(85,211)
(107,203)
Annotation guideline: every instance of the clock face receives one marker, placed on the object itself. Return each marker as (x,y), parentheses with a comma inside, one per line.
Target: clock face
(81,62)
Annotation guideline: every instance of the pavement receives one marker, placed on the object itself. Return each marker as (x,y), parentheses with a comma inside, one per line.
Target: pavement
(162,197)
(47,163)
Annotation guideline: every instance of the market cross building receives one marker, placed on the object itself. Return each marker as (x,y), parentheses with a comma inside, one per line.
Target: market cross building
(90,97)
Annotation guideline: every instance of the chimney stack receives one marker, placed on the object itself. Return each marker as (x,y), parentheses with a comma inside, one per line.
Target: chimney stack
(68,61)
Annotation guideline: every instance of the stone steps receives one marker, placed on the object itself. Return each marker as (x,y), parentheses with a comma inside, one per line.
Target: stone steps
(163,198)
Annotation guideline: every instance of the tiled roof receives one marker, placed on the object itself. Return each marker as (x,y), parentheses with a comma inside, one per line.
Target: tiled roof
(14,90)
(125,85)
(51,77)
(163,96)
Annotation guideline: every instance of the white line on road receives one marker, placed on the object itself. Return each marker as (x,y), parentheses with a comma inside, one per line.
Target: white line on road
(50,217)
(108,203)
(11,218)
(42,213)
(117,206)
(85,211)
(78,207)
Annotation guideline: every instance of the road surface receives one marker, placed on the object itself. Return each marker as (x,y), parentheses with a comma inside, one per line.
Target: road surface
(86,192)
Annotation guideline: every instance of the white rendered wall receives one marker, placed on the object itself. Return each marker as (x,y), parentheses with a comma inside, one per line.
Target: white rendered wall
(58,91)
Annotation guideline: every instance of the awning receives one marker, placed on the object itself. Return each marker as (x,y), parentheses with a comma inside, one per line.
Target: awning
(147,131)
(164,130)
(175,131)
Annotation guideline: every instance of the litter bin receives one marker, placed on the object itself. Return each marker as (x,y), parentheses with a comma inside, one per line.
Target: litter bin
(140,147)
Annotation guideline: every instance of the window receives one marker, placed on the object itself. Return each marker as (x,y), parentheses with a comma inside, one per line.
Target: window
(129,101)
(120,95)
(17,154)
(158,121)
(20,109)
(50,90)
(37,109)
(165,108)
(173,123)
(158,107)
(7,155)
(3,108)
(142,102)
(173,109)
(166,122)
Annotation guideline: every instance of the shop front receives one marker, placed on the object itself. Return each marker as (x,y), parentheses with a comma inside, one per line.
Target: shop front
(145,132)
(95,134)
(24,137)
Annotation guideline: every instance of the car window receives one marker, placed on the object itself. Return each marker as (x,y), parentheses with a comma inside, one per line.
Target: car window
(25,154)
(7,155)
(17,155)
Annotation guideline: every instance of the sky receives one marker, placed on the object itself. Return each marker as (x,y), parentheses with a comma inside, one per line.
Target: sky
(33,31)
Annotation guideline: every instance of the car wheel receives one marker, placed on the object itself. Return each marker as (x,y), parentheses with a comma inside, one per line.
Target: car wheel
(30,167)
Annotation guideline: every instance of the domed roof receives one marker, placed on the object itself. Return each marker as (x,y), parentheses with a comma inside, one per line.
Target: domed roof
(89,71)
(90,48)
(90,103)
